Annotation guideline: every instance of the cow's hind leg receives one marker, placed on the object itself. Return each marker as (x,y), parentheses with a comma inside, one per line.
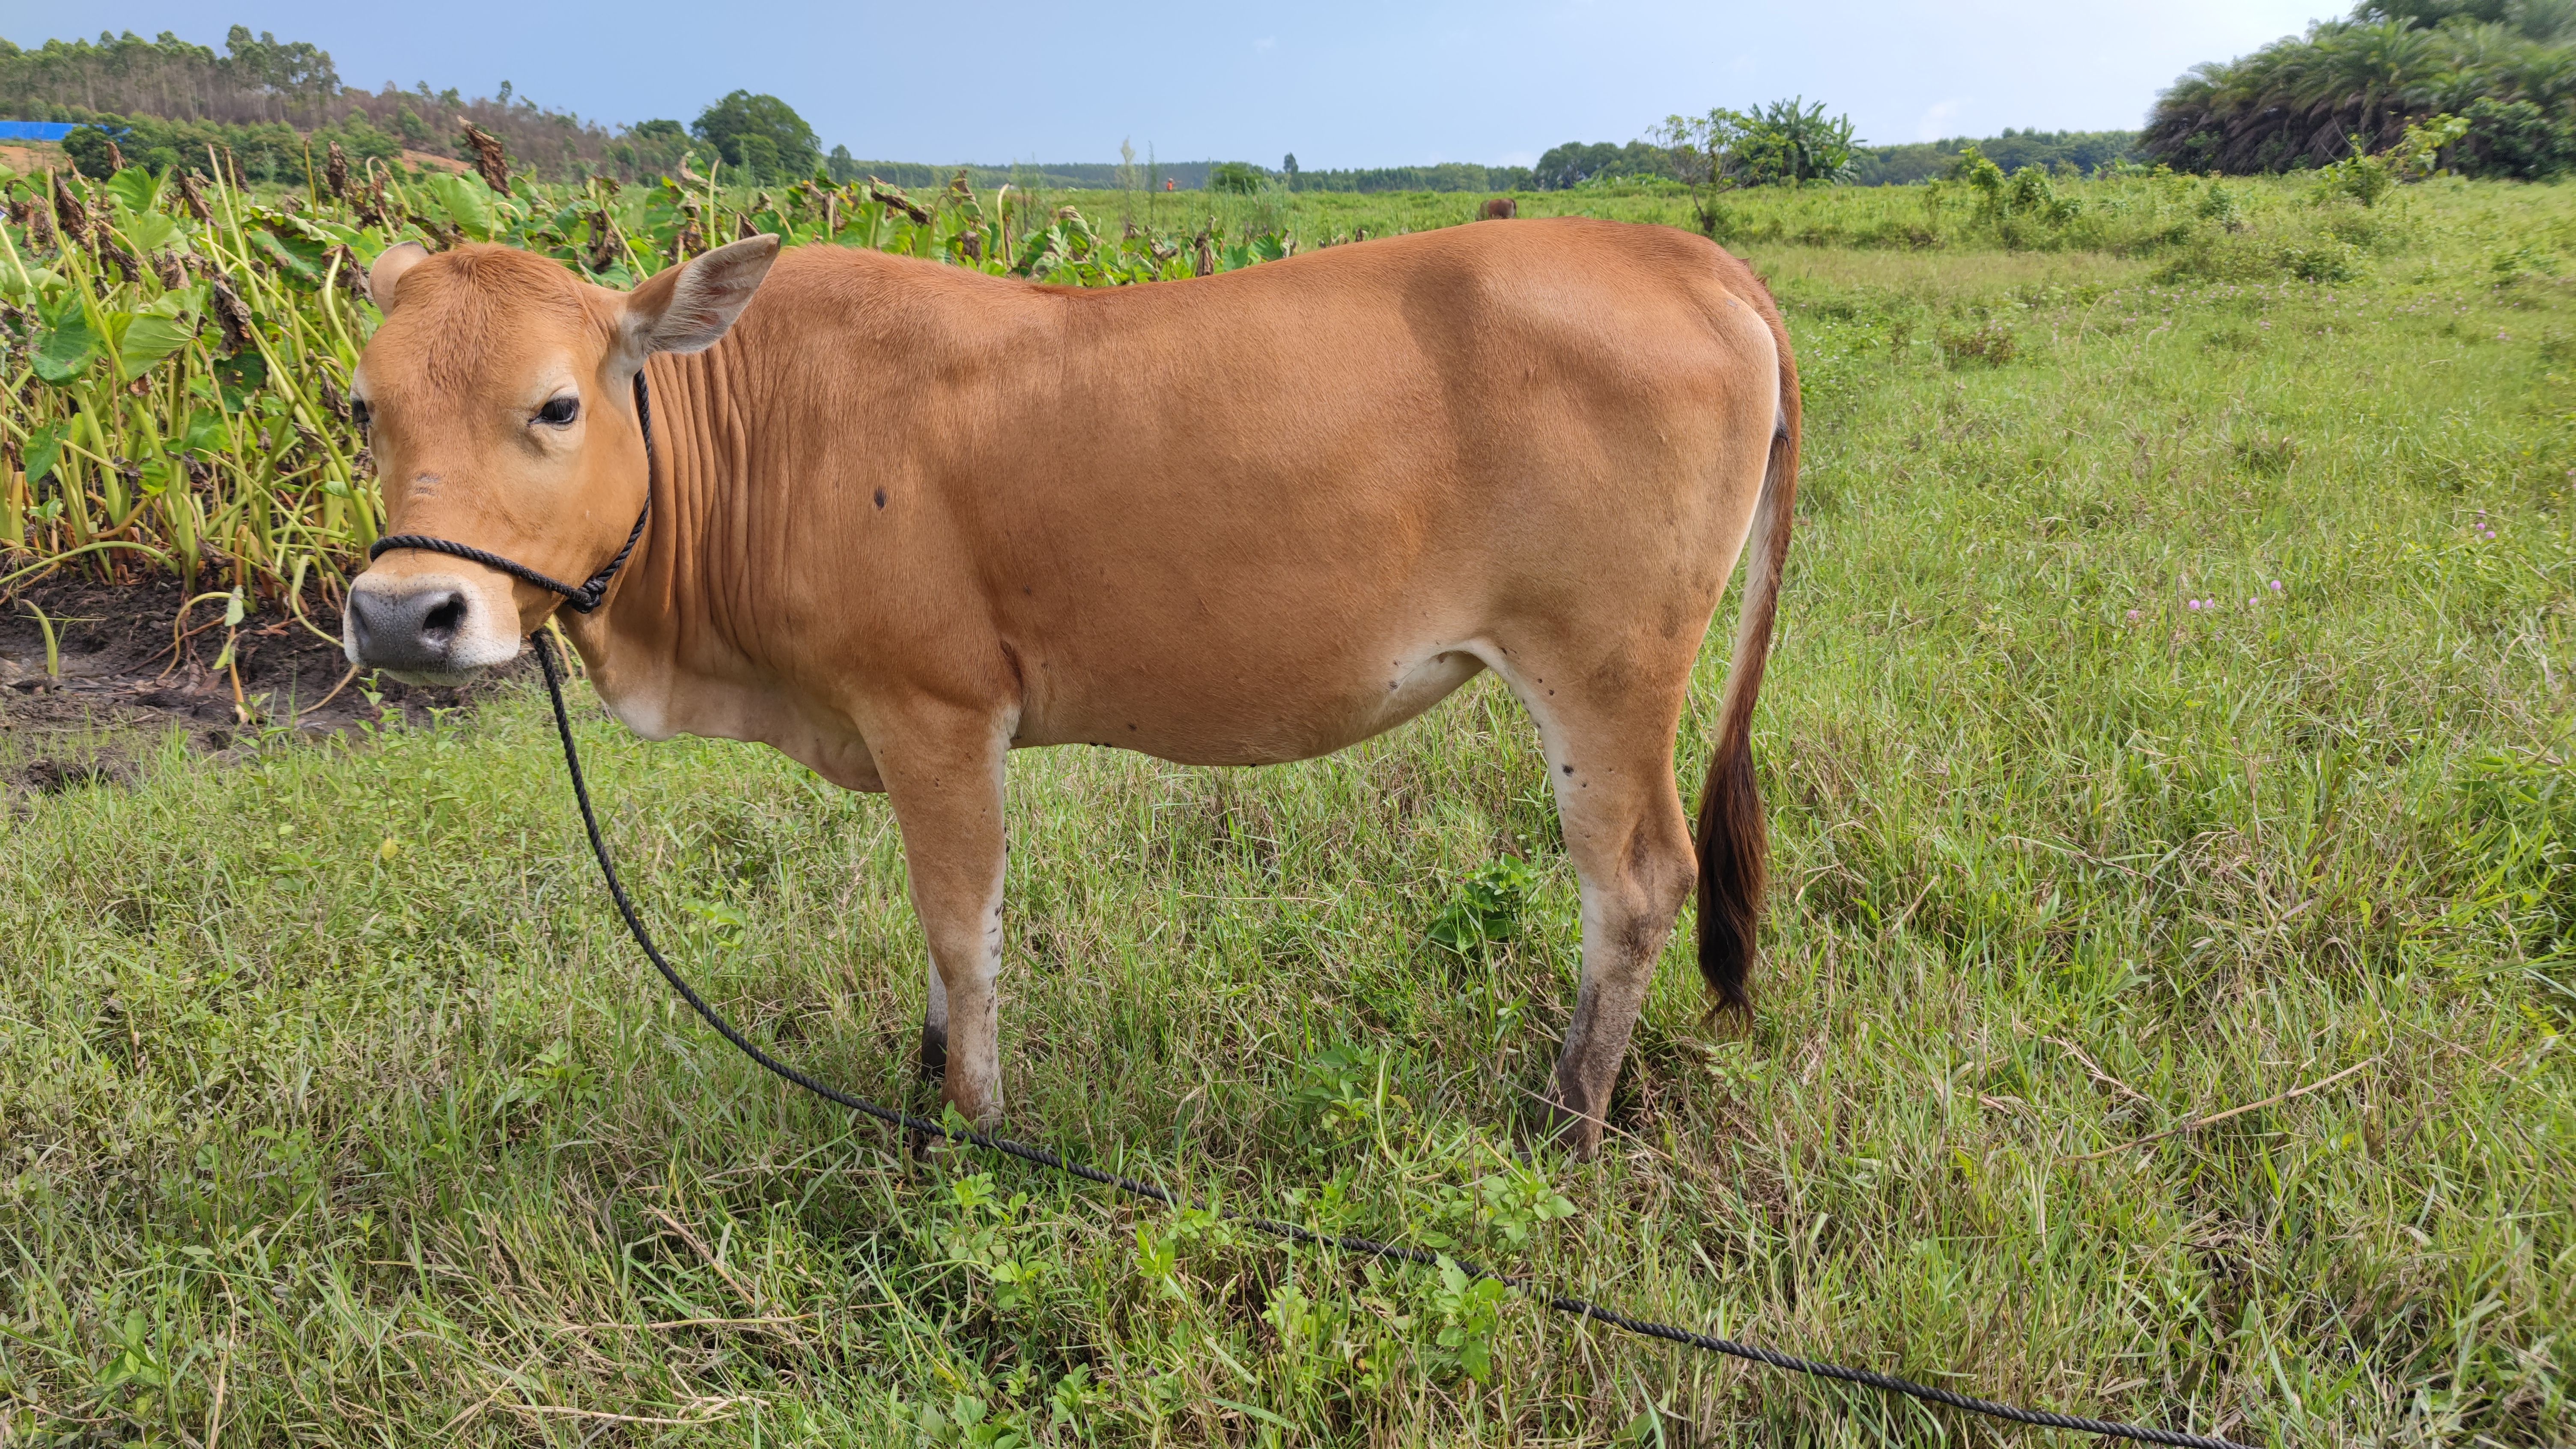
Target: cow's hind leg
(1630,844)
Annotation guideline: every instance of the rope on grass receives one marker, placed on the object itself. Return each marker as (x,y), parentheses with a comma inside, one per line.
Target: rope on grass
(1368,1247)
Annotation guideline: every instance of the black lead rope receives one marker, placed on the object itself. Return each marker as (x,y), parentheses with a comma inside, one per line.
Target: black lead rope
(1047,1158)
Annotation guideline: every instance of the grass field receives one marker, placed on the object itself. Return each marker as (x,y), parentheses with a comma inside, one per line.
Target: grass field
(2172,713)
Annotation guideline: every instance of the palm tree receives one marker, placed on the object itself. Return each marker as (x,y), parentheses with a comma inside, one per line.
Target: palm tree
(2302,101)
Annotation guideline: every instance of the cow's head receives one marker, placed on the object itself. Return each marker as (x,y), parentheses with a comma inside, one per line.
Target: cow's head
(498,401)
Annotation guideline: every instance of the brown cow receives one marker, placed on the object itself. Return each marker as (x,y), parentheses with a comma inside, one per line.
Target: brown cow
(1500,208)
(908,517)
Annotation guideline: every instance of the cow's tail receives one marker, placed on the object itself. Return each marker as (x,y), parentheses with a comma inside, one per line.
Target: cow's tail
(1734,839)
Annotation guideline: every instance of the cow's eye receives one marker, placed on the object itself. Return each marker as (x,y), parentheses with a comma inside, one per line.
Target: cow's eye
(559,412)
(358,416)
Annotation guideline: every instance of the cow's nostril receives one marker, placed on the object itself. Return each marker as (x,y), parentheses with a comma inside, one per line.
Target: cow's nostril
(406,631)
(441,623)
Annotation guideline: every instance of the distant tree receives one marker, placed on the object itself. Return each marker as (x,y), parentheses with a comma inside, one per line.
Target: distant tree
(840,165)
(732,124)
(1574,163)
(650,148)
(87,146)
(1240,177)
(1446,176)
(2055,151)
(1288,168)
(1788,143)
(298,73)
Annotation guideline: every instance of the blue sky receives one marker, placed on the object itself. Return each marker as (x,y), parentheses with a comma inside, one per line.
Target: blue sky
(1338,83)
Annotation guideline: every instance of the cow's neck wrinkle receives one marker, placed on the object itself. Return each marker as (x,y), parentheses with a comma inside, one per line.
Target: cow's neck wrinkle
(691,640)
(660,654)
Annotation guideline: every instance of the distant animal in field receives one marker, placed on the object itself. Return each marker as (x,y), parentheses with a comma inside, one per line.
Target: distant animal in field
(908,517)
(1500,208)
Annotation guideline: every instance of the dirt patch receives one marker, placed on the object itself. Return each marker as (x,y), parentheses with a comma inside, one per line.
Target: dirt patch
(115,666)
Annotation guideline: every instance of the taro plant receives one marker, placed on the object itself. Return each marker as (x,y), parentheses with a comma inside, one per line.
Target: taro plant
(178,346)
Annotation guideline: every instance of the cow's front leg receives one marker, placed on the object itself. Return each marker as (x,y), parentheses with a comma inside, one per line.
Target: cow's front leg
(944,778)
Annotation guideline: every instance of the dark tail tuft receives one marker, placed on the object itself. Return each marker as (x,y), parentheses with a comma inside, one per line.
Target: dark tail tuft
(1734,840)
(1734,866)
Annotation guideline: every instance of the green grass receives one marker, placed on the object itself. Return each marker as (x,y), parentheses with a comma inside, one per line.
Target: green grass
(331,1092)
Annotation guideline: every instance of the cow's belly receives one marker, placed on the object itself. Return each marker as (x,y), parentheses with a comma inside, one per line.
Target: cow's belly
(1247,709)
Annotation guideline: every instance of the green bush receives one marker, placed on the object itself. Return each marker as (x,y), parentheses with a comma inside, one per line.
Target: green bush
(2329,262)
(90,153)
(1240,178)
(2516,140)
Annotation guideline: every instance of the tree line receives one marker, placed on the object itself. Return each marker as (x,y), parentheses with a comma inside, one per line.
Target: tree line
(265,106)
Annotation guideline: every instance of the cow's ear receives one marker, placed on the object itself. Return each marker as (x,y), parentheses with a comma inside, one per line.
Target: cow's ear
(387,273)
(687,307)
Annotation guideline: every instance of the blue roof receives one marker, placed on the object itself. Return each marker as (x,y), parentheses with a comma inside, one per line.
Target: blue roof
(35,130)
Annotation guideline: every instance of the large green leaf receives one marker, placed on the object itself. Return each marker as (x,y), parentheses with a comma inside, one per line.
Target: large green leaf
(135,187)
(462,199)
(149,339)
(150,231)
(39,283)
(64,349)
(204,432)
(302,259)
(184,301)
(44,447)
(238,377)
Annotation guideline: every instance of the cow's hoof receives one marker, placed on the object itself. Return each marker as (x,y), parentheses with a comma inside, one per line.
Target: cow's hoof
(1570,1131)
(924,1148)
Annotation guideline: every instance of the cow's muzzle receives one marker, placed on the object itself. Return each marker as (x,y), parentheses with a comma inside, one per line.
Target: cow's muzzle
(423,630)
